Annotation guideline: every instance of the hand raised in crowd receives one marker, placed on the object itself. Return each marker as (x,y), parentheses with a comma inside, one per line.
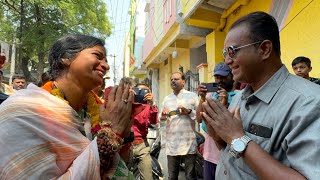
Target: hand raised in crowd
(118,109)
(164,113)
(202,91)
(223,96)
(219,142)
(148,97)
(227,125)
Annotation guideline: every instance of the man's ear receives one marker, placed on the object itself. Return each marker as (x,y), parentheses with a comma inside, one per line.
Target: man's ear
(310,68)
(265,49)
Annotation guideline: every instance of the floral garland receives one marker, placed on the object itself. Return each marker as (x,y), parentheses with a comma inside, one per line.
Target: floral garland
(93,103)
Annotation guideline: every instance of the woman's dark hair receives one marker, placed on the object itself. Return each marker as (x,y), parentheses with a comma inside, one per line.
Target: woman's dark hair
(262,26)
(66,49)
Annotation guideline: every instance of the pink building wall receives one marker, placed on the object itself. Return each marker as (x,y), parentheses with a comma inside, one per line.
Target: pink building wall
(169,12)
(148,43)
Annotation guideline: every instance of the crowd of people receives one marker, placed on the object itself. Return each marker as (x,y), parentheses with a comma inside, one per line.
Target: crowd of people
(260,123)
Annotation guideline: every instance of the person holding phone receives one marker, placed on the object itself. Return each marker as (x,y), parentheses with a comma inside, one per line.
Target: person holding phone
(143,113)
(221,89)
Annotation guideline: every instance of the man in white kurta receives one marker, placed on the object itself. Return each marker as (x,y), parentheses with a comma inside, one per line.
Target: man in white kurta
(178,110)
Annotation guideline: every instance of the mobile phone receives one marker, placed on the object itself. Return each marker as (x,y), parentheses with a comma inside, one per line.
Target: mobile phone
(140,93)
(175,112)
(212,87)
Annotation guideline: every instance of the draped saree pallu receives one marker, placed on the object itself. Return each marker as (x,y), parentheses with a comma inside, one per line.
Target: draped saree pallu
(41,138)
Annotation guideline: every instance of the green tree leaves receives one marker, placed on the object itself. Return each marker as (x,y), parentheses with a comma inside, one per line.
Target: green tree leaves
(37,23)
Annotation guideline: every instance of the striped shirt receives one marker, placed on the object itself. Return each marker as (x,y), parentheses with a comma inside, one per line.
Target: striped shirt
(180,136)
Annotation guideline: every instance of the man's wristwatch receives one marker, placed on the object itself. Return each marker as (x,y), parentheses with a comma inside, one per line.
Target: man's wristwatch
(129,139)
(238,146)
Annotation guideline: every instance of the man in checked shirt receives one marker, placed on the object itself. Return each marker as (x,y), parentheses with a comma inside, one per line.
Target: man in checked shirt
(178,110)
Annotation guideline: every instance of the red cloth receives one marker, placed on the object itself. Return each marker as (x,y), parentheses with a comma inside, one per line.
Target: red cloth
(2,60)
(142,114)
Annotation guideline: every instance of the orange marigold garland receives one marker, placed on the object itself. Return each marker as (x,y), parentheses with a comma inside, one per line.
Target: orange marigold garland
(93,102)
(93,109)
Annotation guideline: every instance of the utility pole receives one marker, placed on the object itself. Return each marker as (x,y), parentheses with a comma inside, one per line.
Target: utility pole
(114,68)
(13,57)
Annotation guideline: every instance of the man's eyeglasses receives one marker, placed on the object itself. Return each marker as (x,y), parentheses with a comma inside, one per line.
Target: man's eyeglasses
(231,50)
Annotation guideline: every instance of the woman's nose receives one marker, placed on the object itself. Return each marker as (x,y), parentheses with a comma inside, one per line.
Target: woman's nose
(105,65)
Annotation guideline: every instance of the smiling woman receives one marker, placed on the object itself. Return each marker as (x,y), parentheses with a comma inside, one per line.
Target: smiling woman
(63,130)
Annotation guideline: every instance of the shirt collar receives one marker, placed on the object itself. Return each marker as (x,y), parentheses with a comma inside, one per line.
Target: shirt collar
(269,89)
(180,92)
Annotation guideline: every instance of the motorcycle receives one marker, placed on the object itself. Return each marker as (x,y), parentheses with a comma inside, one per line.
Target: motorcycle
(153,139)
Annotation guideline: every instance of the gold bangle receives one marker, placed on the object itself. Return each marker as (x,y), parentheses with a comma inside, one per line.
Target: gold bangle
(114,140)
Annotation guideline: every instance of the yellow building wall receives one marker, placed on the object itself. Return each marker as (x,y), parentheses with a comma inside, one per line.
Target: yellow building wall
(203,73)
(254,5)
(214,46)
(165,71)
(301,36)
(183,59)
(187,5)
(164,80)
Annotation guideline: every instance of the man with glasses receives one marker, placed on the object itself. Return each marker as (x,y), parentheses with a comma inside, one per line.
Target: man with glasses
(272,128)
